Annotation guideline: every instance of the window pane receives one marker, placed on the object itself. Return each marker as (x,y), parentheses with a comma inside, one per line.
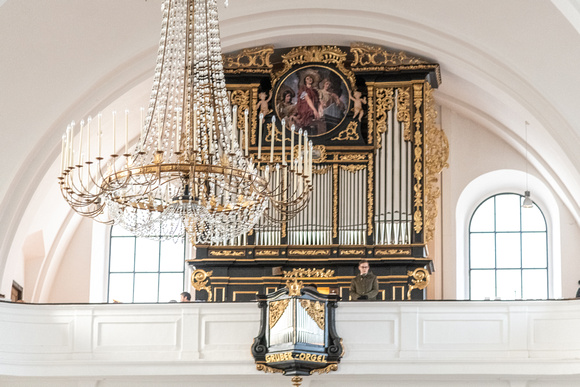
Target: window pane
(482,251)
(509,284)
(482,284)
(508,250)
(121,287)
(483,217)
(120,231)
(172,256)
(147,257)
(122,254)
(534,252)
(170,286)
(535,284)
(533,219)
(146,287)
(507,210)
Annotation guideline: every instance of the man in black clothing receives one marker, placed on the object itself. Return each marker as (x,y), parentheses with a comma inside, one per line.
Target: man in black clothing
(365,286)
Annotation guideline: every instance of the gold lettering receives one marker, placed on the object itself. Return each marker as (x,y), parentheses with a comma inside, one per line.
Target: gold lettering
(302,356)
(307,358)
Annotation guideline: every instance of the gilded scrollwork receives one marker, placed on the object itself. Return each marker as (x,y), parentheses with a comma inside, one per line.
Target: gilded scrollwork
(200,280)
(370,195)
(316,252)
(321,171)
(321,54)
(241,99)
(250,60)
(350,133)
(335,201)
(353,168)
(386,252)
(261,253)
(418,186)
(436,156)
(417,101)
(277,133)
(352,252)
(308,273)
(277,309)
(227,253)
(353,157)
(371,113)
(419,279)
(314,309)
(268,369)
(384,103)
(403,111)
(325,370)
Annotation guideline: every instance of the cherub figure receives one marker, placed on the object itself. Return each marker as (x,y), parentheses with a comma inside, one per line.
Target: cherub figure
(358,100)
(262,104)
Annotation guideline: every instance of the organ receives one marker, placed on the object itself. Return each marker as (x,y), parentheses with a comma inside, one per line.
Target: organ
(376,155)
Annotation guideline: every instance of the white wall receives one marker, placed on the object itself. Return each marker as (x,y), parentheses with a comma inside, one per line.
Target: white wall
(438,343)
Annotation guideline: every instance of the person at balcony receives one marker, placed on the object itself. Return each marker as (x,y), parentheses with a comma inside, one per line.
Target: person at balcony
(185,297)
(365,286)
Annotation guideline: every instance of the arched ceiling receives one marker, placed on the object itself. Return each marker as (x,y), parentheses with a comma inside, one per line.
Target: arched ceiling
(502,63)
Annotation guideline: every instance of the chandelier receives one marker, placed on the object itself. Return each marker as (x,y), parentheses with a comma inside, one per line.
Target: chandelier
(191,170)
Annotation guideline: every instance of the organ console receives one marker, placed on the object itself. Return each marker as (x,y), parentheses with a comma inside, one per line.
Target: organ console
(376,154)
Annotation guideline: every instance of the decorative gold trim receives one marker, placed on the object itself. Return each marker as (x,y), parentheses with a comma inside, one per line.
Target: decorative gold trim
(255,60)
(320,54)
(335,201)
(402,289)
(277,309)
(261,253)
(215,293)
(325,370)
(321,171)
(353,168)
(418,186)
(382,253)
(403,113)
(315,310)
(370,195)
(296,381)
(268,369)
(371,112)
(322,150)
(350,133)
(353,157)
(352,252)
(254,117)
(382,292)
(385,103)
(199,281)
(420,278)
(317,252)
(294,287)
(271,289)
(436,157)
(227,253)
(241,98)
(309,273)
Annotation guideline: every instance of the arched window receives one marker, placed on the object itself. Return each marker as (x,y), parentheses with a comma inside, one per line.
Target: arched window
(145,270)
(508,250)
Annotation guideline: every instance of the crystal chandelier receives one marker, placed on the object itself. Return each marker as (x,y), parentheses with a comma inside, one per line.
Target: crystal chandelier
(191,170)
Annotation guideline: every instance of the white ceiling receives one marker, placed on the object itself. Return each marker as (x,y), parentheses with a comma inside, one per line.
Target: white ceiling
(502,62)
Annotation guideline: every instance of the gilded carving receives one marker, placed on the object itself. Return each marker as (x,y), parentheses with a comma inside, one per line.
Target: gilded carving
(353,168)
(366,55)
(308,273)
(418,186)
(419,279)
(227,253)
(370,195)
(325,370)
(371,119)
(315,310)
(309,252)
(277,309)
(249,60)
(385,103)
(294,287)
(436,156)
(350,133)
(353,157)
(277,134)
(321,54)
(267,369)
(261,253)
(321,171)
(199,281)
(383,253)
(418,101)
(403,113)
(352,252)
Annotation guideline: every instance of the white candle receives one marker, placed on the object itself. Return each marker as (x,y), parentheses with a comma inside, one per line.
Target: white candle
(247,137)
(299,150)
(260,136)
(126,131)
(99,133)
(67,147)
(89,139)
(283,124)
(81,142)
(114,132)
(292,128)
(272,139)
(62,154)
(178,145)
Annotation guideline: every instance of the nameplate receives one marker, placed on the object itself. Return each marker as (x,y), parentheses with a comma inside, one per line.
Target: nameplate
(303,356)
